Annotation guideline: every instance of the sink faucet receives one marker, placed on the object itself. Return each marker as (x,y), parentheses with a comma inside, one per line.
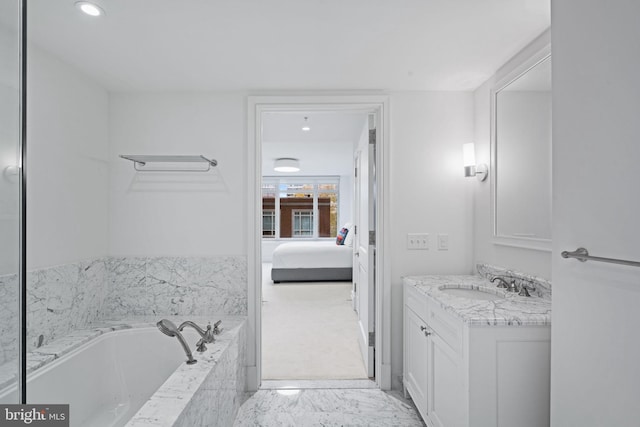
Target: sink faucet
(206,337)
(502,282)
(167,327)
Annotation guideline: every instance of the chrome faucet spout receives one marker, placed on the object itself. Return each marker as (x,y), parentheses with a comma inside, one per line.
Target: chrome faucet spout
(168,328)
(502,283)
(207,336)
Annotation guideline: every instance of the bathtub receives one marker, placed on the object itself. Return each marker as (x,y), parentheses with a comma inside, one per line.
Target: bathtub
(138,376)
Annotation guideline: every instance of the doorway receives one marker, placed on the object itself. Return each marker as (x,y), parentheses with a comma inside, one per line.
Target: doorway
(377,314)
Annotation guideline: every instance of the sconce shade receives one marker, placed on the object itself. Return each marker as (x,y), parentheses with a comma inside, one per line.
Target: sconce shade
(286,165)
(469,159)
(469,162)
(468,154)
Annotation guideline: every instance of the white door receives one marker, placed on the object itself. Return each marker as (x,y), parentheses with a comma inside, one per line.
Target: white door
(364,254)
(595,375)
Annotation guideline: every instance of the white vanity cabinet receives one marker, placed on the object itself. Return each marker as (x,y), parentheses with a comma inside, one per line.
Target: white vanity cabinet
(470,375)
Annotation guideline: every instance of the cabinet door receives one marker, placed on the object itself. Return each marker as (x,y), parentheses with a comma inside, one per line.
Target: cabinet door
(446,401)
(416,348)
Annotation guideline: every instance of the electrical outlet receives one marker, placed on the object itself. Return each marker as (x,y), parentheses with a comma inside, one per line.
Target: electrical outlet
(418,241)
(443,242)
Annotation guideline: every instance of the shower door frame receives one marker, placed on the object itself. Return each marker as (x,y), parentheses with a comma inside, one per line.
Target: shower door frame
(256,105)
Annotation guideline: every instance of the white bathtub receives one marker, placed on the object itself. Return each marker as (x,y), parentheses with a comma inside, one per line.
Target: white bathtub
(108,379)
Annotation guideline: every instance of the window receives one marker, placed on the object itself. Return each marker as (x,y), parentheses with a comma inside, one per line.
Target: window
(302,223)
(268,223)
(304,207)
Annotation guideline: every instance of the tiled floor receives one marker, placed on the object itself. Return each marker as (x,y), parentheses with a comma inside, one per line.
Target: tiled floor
(326,407)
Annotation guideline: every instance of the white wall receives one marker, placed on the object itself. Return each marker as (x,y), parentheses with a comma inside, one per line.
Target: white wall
(178,214)
(67,188)
(428,192)
(485,251)
(9,141)
(595,375)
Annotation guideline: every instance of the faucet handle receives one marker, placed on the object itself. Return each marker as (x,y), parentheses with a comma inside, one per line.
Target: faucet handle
(216,330)
(208,336)
(524,292)
(200,346)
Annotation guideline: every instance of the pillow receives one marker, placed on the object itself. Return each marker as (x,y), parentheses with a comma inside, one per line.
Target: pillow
(348,241)
(342,236)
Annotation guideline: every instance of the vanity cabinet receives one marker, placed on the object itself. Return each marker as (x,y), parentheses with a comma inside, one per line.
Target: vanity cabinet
(468,375)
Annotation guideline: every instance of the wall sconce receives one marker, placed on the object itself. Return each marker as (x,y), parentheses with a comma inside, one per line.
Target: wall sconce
(286,165)
(480,171)
(305,126)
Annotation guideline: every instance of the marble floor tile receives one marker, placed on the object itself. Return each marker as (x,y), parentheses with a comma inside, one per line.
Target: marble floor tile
(307,384)
(326,407)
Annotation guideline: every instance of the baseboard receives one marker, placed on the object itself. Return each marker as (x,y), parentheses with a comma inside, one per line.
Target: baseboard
(253,382)
(384,379)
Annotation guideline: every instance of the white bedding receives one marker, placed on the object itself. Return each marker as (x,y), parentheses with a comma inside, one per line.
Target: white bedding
(317,254)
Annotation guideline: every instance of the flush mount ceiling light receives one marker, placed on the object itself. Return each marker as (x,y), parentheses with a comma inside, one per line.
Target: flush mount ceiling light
(306,127)
(286,165)
(89,8)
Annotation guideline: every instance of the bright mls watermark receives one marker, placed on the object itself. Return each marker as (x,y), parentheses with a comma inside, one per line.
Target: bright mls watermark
(34,415)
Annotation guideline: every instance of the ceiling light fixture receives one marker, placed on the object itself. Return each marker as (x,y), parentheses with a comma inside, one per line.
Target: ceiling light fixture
(306,127)
(89,8)
(286,164)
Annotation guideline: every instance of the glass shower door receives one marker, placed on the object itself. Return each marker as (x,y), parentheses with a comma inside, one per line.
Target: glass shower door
(10,223)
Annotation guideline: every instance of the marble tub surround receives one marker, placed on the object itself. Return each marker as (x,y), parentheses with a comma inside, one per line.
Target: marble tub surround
(211,391)
(326,407)
(542,286)
(512,310)
(59,299)
(8,317)
(208,393)
(69,297)
(64,298)
(176,286)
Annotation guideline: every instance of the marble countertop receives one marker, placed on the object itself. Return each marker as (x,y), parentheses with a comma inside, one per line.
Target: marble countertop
(512,310)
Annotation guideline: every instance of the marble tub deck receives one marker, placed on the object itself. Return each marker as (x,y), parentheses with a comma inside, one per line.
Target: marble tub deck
(317,406)
(46,354)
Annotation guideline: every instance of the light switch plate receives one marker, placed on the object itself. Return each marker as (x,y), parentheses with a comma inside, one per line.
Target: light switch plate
(443,242)
(418,241)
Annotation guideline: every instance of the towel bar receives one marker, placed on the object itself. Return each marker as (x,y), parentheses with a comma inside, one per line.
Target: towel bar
(582,255)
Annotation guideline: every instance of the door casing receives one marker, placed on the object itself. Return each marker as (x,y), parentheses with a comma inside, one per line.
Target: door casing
(256,106)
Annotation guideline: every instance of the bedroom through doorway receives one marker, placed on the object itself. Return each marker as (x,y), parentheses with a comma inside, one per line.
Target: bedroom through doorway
(310,315)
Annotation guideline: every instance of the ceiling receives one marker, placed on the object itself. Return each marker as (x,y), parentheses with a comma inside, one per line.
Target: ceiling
(170,45)
(288,45)
(326,149)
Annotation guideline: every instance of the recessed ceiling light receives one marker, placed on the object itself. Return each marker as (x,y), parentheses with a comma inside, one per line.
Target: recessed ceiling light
(89,8)
(306,127)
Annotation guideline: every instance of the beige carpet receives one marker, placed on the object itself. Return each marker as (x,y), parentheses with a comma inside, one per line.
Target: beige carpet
(309,331)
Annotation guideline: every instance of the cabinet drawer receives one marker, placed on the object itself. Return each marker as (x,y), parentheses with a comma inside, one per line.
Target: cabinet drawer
(446,326)
(416,301)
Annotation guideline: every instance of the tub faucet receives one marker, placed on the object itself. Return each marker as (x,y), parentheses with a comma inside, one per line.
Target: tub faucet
(206,337)
(167,327)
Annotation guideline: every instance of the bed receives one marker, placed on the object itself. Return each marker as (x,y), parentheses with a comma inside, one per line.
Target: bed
(316,261)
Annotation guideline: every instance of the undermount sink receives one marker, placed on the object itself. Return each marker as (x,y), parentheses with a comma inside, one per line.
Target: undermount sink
(478,294)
